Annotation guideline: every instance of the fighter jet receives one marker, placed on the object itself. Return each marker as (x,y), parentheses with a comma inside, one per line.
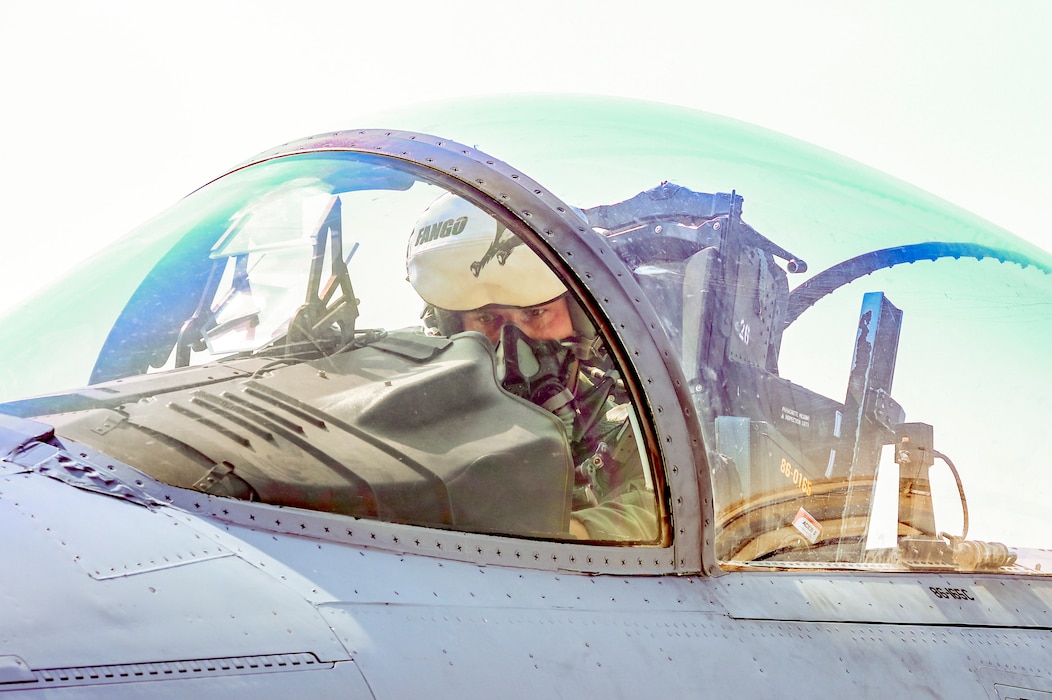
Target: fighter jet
(534,397)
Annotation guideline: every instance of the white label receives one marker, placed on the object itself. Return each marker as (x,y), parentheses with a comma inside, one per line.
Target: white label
(807,525)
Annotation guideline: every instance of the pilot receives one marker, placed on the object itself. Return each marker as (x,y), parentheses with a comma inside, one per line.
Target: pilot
(476,275)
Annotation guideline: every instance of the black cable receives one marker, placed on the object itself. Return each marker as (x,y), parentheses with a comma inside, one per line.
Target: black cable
(960,490)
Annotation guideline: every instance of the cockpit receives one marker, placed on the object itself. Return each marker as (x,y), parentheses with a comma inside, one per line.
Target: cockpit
(868,398)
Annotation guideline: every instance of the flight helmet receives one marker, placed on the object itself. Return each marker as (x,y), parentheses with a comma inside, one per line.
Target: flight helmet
(460,258)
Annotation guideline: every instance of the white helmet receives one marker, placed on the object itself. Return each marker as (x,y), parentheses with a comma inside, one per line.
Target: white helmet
(460,258)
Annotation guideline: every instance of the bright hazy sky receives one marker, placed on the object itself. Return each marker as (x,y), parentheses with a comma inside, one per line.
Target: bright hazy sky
(114,109)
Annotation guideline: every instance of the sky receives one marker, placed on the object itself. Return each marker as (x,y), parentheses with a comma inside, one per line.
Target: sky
(114,109)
